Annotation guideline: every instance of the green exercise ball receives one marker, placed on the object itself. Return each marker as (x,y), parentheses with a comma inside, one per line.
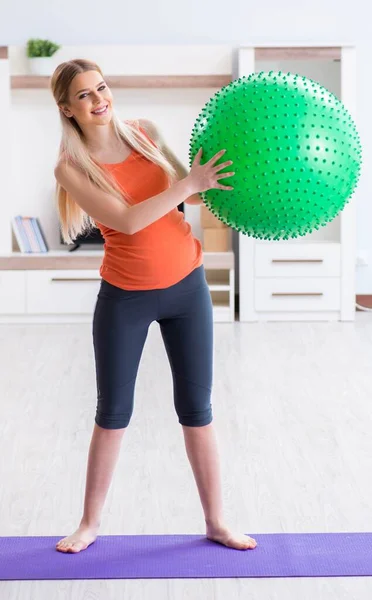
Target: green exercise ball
(295,149)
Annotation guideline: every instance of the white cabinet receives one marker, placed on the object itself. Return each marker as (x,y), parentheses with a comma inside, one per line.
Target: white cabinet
(12,292)
(296,277)
(61,292)
(290,281)
(297,294)
(297,260)
(35,292)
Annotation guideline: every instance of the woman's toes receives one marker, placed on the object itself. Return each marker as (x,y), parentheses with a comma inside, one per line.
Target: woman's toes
(241,542)
(232,540)
(77,546)
(62,546)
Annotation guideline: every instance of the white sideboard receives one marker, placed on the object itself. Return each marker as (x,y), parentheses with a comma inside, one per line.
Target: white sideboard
(62,287)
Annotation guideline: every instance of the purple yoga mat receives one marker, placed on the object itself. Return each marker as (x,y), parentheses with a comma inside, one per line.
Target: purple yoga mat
(188,556)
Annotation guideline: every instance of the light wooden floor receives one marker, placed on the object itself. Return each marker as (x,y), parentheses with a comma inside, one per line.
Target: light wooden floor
(292,405)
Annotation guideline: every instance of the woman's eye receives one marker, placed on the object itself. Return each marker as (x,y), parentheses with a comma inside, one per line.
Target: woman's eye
(102,87)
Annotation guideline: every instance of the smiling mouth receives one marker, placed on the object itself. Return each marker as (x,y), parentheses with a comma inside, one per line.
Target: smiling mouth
(100,111)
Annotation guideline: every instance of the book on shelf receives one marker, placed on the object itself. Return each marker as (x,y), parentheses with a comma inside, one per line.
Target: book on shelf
(29,235)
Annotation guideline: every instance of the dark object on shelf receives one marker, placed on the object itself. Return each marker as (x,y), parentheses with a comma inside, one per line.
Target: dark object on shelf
(92,237)
(95,237)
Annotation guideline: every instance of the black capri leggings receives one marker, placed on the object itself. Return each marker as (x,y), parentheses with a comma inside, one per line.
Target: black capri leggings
(120,325)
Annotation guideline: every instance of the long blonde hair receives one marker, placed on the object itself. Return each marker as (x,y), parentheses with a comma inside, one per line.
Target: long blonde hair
(73,220)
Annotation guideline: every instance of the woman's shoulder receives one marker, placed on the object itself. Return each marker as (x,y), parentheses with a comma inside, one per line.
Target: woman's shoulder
(65,166)
(150,129)
(62,163)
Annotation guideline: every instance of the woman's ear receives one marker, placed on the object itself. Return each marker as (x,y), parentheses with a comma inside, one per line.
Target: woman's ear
(66,111)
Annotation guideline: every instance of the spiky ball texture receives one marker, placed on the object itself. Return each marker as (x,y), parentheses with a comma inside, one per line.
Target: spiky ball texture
(295,149)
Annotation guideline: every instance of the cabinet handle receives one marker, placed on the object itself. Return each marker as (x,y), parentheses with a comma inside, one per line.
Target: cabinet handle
(75,278)
(297,260)
(297,294)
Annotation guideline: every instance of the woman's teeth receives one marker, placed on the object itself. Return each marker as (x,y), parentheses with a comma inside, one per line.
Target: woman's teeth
(100,111)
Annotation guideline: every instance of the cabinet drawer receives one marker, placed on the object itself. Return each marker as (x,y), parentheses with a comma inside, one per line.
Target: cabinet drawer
(297,260)
(12,292)
(296,294)
(62,292)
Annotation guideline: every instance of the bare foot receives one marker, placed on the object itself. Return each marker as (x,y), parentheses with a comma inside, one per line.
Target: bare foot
(224,536)
(83,537)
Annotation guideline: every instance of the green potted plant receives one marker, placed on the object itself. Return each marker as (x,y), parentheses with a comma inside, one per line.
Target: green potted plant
(40,53)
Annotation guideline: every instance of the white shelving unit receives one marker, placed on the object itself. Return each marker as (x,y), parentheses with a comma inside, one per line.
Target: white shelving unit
(62,287)
(310,278)
(220,274)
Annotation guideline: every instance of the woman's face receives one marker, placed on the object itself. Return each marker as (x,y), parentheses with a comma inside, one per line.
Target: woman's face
(90,100)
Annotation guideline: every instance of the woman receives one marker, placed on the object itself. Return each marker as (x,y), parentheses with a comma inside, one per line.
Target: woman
(122,178)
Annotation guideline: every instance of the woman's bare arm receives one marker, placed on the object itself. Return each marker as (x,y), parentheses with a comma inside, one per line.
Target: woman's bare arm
(109,210)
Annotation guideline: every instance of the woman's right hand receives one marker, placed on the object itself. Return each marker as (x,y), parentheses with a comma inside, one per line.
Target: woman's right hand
(206,177)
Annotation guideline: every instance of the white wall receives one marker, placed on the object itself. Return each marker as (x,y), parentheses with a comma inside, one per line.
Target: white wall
(184,21)
(214,22)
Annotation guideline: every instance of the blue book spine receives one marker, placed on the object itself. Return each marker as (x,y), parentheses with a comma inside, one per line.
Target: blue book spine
(30,234)
(37,235)
(40,235)
(17,234)
(23,234)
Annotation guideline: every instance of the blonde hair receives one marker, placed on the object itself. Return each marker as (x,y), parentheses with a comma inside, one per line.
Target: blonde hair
(73,220)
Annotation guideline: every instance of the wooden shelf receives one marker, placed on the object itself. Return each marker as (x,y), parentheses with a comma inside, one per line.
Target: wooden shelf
(298,53)
(88,259)
(218,279)
(133,81)
(50,260)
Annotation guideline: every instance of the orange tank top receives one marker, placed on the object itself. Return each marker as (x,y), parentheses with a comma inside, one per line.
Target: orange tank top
(159,255)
